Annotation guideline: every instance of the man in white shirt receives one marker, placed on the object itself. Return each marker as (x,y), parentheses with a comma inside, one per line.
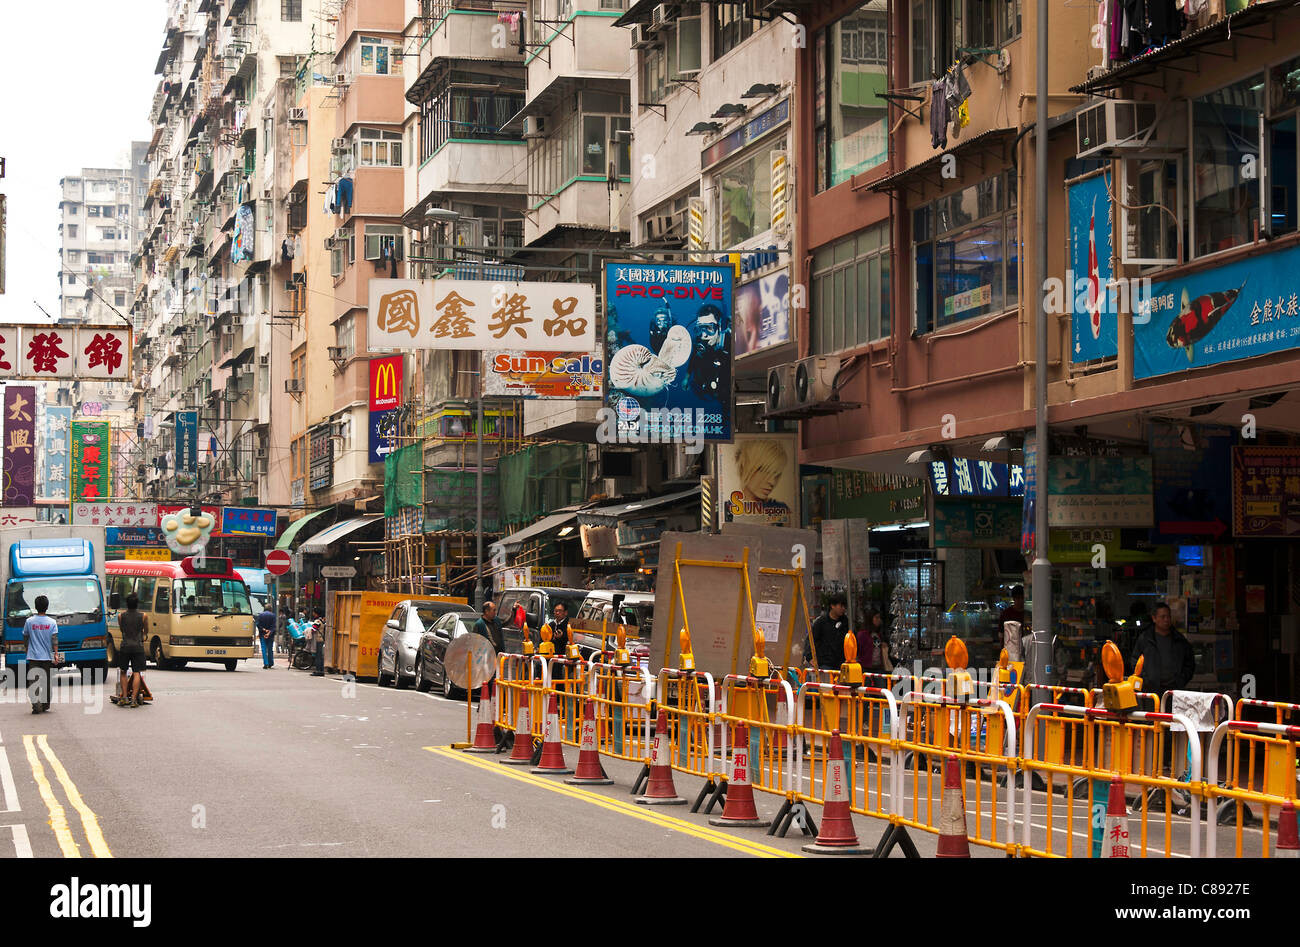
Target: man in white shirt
(41,639)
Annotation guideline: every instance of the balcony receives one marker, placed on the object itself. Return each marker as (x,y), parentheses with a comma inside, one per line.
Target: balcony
(585,202)
(464,165)
(584,47)
(467,30)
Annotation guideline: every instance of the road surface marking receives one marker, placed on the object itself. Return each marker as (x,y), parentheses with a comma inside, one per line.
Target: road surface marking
(22,844)
(88,820)
(7,782)
(625,808)
(58,819)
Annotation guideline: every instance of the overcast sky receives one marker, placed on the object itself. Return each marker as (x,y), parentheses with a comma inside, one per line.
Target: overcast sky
(76,84)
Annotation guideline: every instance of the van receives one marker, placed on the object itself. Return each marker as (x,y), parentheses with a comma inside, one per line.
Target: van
(605,610)
(539,605)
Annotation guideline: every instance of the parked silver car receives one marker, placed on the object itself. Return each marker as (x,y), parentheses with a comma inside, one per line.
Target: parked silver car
(430,667)
(406,626)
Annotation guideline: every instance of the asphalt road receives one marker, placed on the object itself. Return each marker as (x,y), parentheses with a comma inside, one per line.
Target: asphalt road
(258,762)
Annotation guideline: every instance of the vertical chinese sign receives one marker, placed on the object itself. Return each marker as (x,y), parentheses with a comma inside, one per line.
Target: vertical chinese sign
(19,445)
(385,399)
(187,448)
(90,460)
(58,420)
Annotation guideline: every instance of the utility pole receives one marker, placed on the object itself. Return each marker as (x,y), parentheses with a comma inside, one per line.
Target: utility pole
(478,521)
(1041,574)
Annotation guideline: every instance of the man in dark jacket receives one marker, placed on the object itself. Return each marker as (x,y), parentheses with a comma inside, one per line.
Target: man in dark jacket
(489,626)
(828,633)
(1168,662)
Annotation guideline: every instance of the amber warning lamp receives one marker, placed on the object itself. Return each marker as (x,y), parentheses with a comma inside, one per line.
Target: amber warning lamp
(1116,695)
(759,666)
(621,656)
(546,649)
(1009,672)
(960,684)
(687,661)
(850,670)
(528,641)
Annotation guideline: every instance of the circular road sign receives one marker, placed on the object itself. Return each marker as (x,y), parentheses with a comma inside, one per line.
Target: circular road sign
(278,562)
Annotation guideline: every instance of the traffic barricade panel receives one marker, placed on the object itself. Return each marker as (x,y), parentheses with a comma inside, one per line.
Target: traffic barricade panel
(1259,778)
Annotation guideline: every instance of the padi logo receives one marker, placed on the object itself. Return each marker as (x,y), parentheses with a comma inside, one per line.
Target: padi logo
(630,423)
(75,900)
(629,410)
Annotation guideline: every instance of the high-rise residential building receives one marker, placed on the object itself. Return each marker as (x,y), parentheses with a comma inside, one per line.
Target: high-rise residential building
(98,228)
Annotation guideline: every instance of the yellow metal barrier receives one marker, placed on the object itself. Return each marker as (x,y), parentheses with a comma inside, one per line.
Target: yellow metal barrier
(686,699)
(1133,746)
(567,679)
(521,678)
(1261,770)
(623,721)
(745,701)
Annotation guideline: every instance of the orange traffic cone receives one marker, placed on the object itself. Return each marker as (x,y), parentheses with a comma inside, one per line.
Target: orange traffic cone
(523,751)
(659,790)
(589,770)
(739,808)
(485,732)
(837,836)
(1288,845)
(552,760)
(1114,843)
(952,814)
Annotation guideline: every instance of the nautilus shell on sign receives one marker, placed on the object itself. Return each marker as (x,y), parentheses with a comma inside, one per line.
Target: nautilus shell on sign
(640,372)
(676,350)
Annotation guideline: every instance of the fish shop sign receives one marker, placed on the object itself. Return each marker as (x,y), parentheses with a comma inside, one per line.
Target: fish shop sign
(1248,308)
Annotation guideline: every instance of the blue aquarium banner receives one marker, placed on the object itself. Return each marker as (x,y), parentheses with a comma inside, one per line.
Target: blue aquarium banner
(1243,309)
(669,352)
(1093,322)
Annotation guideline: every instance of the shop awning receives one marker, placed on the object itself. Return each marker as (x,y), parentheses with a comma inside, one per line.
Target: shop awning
(327,537)
(610,515)
(930,171)
(545,525)
(291,531)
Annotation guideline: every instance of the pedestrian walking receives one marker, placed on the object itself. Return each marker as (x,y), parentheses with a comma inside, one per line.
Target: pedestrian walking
(266,629)
(131,656)
(41,641)
(828,633)
(318,640)
(489,626)
(873,645)
(1168,663)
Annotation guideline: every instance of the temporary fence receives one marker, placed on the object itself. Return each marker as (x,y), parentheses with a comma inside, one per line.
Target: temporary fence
(1260,774)
(686,698)
(522,680)
(623,719)
(764,706)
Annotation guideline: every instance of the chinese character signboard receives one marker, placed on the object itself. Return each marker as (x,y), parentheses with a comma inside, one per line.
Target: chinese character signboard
(1099,491)
(963,477)
(58,420)
(520,374)
(1265,491)
(669,351)
(187,448)
(19,445)
(762,313)
(977,524)
(246,521)
(480,314)
(385,399)
(758,480)
(18,516)
(321,472)
(90,456)
(1094,328)
(124,513)
(34,351)
(1231,312)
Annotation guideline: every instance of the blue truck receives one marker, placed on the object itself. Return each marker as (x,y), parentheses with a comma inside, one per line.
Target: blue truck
(66,565)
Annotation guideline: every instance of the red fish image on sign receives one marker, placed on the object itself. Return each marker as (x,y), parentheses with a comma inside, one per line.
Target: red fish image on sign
(1197,317)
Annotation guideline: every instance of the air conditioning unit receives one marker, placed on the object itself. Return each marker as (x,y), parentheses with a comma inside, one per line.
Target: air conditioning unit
(266,193)
(534,126)
(342,80)
(264,361)
(339,145)
(657,228)
(293,385)
(295,197)
(334,352)
(297,114)
(814,379)
(268,113)
(227,329)
(658,17)
(780,388)
(261,453)
(642,38)
(247,370)
(1115,125)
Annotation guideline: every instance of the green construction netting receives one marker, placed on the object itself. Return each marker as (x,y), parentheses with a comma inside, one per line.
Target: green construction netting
(402,478)
(540,479)
(451,496)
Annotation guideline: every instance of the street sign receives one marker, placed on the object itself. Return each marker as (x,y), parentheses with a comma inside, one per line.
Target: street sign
(278,562)
(161,555)
(338,572)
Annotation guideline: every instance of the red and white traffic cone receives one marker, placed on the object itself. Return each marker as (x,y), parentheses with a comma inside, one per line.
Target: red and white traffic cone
(739,808)
(485,731)
(837,836)
(1115,840)
(552,760)
(1288,844)
(523,751)
(952,814)
(659,790)
(589,770)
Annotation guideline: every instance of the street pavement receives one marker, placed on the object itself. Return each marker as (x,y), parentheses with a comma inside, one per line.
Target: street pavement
(276,762)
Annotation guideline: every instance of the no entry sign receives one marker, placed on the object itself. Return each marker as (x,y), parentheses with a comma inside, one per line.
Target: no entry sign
(278,562)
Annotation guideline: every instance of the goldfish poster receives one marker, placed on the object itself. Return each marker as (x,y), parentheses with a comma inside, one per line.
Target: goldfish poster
(669,347)
(1094,325)
(1223,314)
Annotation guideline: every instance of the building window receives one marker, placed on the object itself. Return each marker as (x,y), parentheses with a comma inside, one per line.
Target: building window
(384,242)
(676,55)
(744,195)
(850,291)
(376,148)
(964,249)
(459,108)
(731,27)
(288,66)
(291,11)
(852,69)
(345,335)
(1282,134)
(374,56)
(119,299)
(72,231)
(342,252)
(1225,202)
(579,144)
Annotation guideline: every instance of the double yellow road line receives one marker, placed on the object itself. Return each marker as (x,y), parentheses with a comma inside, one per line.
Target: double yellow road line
(58,816)
(644,813)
